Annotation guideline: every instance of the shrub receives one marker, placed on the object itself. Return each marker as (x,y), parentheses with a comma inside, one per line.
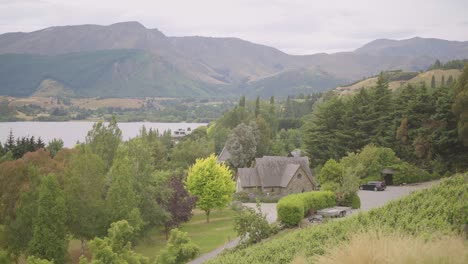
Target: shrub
(179,249)
(407,173)
(355,202)
(34,260)
(292,208)
(4,259)
(251,225)
(242,196)
(352,201)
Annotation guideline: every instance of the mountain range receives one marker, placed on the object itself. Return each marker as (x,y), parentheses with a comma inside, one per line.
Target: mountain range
(129,60)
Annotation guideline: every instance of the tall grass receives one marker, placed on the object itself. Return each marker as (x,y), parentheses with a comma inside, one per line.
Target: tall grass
(399,248)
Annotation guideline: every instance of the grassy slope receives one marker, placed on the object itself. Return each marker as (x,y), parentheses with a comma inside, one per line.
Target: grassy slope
(434,211)
(208,236)
(422,77)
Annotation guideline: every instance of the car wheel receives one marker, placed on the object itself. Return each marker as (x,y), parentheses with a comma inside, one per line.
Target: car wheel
(375,189)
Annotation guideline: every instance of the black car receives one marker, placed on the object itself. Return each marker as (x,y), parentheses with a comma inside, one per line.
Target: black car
(373,186)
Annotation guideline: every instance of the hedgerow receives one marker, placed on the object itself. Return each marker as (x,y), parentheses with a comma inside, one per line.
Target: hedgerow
(292,208)
(431,212)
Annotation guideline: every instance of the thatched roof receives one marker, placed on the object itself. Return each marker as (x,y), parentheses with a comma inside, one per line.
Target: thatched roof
(274,171)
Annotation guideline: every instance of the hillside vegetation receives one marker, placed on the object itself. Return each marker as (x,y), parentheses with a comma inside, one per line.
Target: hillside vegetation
(398,80)
(429,213)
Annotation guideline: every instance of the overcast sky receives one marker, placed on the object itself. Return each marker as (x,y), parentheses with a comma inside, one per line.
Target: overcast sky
(293,26)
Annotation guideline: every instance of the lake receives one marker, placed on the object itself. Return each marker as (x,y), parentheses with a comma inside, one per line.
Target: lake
(71,132)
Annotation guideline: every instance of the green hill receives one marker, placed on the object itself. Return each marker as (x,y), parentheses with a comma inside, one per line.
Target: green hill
(117,73)
(292,82)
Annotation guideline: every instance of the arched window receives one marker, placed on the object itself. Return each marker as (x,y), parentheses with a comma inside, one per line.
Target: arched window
(299,176)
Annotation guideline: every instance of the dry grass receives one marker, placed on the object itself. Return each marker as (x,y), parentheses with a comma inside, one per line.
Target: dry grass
(381,248)
(420,78)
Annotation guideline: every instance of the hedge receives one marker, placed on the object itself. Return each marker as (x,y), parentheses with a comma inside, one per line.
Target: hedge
(292,208)
(352,201)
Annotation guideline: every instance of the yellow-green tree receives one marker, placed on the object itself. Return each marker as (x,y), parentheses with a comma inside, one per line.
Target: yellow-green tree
(212,183)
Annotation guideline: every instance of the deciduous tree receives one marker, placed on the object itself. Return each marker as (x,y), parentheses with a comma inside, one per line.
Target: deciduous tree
(49,235)
(211,183)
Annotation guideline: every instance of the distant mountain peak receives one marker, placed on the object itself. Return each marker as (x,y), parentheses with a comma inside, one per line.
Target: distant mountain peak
(129,24)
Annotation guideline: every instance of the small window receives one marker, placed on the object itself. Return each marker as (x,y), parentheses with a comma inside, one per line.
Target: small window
(299,176)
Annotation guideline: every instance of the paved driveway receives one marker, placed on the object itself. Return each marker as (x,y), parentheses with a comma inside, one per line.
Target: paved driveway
(369,199)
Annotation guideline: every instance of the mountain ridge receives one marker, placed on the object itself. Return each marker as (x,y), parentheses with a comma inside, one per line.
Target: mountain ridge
(192,64)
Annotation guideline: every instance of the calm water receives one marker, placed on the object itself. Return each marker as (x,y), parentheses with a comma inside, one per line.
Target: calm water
(71,132)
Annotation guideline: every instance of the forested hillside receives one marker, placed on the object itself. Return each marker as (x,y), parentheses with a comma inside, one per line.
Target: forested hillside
(423,126)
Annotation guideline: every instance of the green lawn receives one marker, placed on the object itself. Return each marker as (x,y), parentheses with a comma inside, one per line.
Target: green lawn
(208,236)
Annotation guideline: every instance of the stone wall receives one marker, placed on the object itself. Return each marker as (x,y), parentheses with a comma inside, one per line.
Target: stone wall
(299,184)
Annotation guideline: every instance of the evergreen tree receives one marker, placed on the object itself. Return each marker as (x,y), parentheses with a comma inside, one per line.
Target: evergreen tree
(272,105)
(257,107)
(433,82)
(10,143)
(242,101)
(450,80)
(460,106)
(324,137)
(381,119)
(442,82)
(49,235)
(40,144)
(288,111)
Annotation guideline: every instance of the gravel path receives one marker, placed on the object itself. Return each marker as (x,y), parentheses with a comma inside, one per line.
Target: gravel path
(369,200)
(214,253)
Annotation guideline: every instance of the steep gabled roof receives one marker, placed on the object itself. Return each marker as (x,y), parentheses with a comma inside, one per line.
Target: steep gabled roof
(249,177)
(224,155)
(274,171)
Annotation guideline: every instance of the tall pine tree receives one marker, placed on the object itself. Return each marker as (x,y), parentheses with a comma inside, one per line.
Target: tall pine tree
(460,106)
